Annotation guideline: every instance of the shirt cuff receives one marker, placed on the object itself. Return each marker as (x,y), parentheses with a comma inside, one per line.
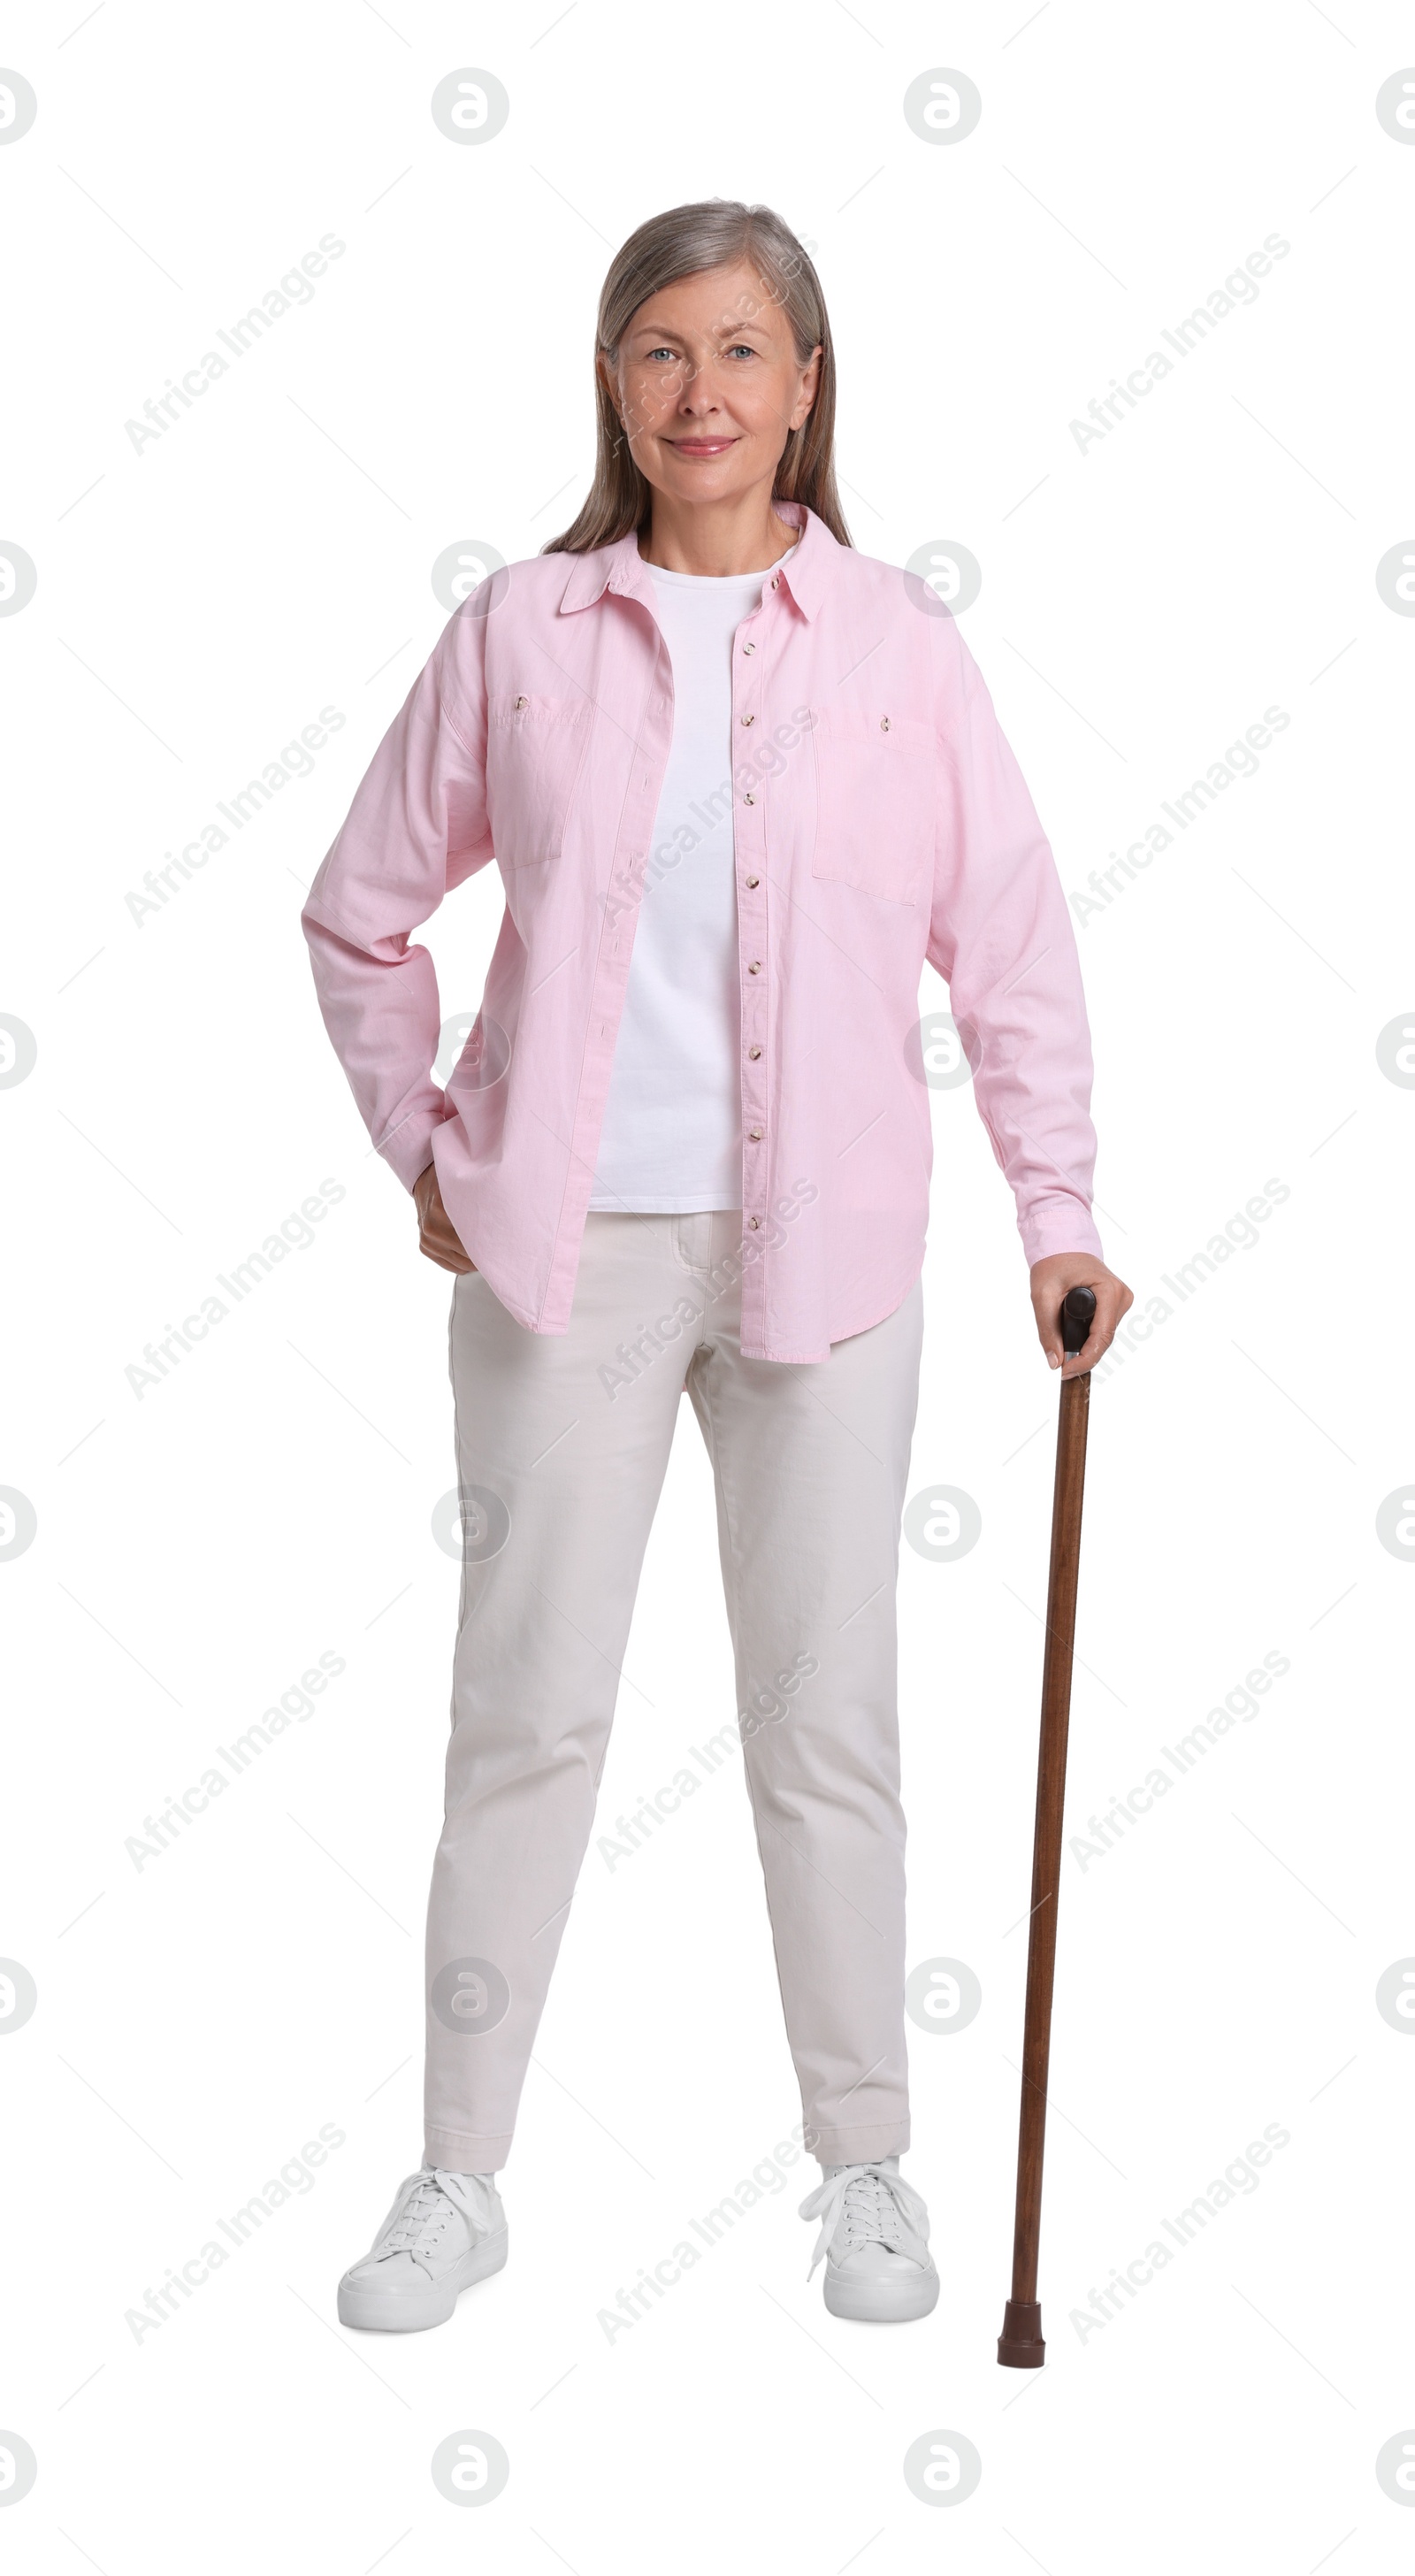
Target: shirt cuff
(407,1148)
(1065,1225)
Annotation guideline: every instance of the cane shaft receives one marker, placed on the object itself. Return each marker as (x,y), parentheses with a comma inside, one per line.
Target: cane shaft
(1046,1849)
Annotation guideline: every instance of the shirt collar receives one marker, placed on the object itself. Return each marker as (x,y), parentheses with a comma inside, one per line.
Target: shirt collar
(805,572)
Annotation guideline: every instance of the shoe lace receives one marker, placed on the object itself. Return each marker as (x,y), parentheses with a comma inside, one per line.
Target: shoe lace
(423,2217)
(866,2205)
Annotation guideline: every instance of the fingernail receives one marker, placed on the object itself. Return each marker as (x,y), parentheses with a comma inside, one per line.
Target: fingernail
(1052,1360)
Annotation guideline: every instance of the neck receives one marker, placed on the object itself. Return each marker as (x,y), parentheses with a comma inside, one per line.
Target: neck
(741,535)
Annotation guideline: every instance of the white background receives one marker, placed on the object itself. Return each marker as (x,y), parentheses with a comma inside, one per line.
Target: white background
(270,1500)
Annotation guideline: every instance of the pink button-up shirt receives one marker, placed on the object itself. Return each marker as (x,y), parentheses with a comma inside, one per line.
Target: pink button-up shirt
(879,819)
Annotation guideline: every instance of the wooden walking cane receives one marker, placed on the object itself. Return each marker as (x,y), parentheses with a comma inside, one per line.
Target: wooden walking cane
(1020,2345)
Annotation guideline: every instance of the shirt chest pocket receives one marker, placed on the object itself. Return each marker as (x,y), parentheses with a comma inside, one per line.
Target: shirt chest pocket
(876,803)
(535,749)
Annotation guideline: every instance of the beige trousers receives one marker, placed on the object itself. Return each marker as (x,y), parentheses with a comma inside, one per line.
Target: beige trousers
(562,1445)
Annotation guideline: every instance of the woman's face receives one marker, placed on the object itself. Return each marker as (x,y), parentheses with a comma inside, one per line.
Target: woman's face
(709,386)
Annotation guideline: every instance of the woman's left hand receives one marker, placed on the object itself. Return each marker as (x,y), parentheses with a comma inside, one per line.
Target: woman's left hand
(1050,1281)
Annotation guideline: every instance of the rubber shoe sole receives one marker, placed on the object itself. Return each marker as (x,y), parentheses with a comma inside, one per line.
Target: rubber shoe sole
(408,2311)
(874,2302)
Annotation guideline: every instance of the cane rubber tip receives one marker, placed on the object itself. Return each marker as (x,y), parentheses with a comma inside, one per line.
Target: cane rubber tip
(1020,2345)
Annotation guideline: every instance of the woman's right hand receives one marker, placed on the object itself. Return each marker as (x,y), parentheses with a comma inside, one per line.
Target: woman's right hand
(439,1238)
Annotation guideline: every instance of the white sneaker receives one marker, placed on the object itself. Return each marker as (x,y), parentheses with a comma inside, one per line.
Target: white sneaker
(443,2232)
(874,2236)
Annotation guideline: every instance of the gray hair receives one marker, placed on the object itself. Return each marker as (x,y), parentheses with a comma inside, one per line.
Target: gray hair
(719,232)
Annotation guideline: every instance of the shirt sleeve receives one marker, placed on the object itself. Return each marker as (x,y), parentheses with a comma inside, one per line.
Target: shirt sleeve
(416,828)
(1001,935)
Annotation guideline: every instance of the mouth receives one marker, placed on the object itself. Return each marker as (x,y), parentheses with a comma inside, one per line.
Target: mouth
(701,446)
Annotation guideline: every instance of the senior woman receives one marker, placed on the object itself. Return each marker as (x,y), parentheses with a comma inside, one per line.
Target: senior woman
(739,783)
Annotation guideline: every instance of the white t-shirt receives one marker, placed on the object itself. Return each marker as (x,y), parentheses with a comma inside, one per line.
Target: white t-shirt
(671,1142)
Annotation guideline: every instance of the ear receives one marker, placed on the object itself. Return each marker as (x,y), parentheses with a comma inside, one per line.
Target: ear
(606,375)
(810,386)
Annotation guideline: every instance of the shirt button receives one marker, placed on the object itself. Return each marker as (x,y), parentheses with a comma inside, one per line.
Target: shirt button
(754,1220)
(754,1135)
(884,724)
(748,720)
(755,967)
(521,702)
(754,881)
(749,800)
(754,1052)
(749,648)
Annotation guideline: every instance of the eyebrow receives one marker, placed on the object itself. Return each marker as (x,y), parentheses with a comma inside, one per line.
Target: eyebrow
(725,338)
(666,331)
